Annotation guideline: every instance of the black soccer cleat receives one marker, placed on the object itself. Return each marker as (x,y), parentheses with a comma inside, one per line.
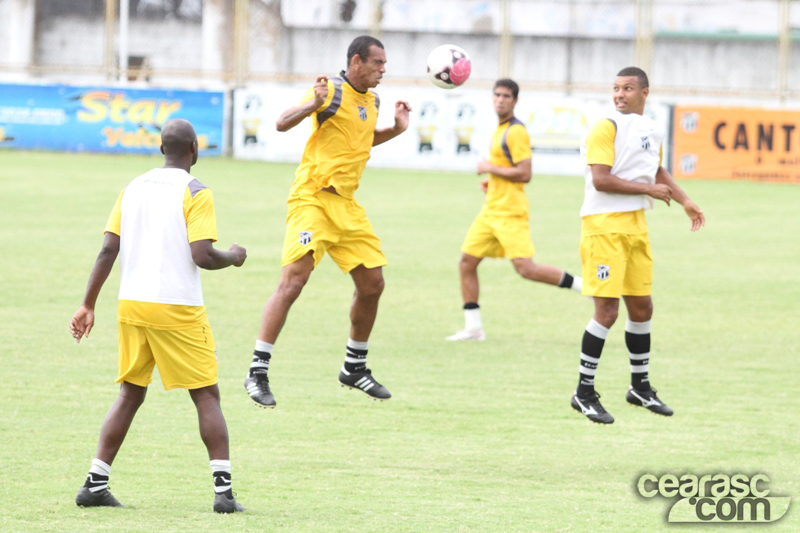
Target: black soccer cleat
(257,386)
(103,498)
(365,382)
(223,504)
(648,400)
(590,407)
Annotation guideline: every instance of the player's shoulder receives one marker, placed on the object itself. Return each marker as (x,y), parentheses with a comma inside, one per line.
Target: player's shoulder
(195,187)
(514,126)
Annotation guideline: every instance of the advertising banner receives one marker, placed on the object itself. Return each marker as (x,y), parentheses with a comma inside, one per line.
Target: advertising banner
(105,119)
(727,143)
(448,130)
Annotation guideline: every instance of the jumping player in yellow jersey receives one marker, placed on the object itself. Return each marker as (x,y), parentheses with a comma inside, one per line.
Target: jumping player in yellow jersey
(501,228)
(162,227)
(325,218)
(623,178)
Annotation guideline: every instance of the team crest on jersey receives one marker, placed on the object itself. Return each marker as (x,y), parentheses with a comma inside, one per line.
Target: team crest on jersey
(305,238)
(603,271)
(362,112)
(645,143)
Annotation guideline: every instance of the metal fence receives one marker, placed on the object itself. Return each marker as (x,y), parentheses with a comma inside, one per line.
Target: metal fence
(737,48)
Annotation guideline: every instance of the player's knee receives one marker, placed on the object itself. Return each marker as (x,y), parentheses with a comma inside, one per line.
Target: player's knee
(372,289)
(467,264)
(290,287)
(607,317)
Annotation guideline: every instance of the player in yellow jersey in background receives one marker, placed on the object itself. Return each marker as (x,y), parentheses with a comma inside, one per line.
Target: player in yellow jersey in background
(501,229)
(623,178)
(324,217)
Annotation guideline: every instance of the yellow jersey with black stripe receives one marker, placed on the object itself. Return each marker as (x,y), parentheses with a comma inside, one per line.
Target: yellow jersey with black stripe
(155,257)
(510,145)
(343,129)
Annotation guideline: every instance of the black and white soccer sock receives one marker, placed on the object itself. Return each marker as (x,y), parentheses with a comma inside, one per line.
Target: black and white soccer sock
(221,471)
(472,317)
(591,348)
(637,339)
(568,281)
(261,357)
(355,359)
(97,478)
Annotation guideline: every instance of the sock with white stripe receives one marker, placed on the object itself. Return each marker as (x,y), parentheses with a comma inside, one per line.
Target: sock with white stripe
(472,317)
(97,479)
(221,471)
(355,359)
(637,339)
(261,357)
(568,281)
(591,348)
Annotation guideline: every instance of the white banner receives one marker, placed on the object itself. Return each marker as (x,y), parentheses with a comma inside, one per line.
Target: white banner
(448,130)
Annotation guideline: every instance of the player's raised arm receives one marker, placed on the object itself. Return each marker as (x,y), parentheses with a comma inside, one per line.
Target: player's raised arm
(83,320)
(401,110)
(694,213)
(295,115)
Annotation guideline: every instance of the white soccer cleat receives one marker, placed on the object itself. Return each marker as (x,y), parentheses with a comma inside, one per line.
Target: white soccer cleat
(467,335)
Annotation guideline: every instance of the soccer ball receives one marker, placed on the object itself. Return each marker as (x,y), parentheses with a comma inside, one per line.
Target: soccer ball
(448,66)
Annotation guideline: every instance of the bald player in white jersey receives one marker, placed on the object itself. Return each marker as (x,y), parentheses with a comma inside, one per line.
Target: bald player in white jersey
(624,177)
(162,227)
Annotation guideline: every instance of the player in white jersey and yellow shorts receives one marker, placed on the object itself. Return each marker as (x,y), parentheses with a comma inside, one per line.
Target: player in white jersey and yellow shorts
(623,178)
(501,229)
(162,228)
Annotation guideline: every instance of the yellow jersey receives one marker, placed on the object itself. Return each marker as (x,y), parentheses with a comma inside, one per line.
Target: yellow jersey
(201,224)
(510,145)
(343,129)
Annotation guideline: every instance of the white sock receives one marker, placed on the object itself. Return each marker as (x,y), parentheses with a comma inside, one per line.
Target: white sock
(577,284)
(99,473)
(358,345)
(221,470)
(262,346)
(472,319)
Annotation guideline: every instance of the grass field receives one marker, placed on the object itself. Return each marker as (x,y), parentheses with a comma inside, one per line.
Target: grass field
(479,437)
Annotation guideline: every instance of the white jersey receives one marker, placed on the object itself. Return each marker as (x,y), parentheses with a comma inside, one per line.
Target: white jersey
(156,262)
(636,157)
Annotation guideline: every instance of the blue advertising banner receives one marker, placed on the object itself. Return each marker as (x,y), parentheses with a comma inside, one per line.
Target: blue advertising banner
(105,119)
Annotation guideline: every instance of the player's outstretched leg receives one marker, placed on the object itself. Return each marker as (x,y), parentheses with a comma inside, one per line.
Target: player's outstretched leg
(354,372)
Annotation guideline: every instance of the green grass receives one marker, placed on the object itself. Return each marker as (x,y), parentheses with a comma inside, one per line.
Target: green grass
(479,437)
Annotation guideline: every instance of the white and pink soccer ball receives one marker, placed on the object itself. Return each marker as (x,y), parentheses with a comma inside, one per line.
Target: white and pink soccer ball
(448,66)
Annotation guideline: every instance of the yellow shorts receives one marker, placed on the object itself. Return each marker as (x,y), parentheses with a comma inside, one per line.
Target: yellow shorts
(327,222)
(496,236)
(186,358)
(617,264)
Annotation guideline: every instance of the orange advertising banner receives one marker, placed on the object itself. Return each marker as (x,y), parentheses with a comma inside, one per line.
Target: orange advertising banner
(727,143)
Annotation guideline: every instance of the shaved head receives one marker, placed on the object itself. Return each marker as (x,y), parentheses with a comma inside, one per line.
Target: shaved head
(177,137)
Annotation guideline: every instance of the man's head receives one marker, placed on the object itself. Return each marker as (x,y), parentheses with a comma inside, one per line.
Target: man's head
(179,140)
(631,88)
(365,62)
(505,93)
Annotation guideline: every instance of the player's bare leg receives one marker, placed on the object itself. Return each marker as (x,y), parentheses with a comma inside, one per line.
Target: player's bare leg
(637,340)
(546,274)
(118,420)
(354,373)
(94,492)
(214,433)
(294,277)
(470,290)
